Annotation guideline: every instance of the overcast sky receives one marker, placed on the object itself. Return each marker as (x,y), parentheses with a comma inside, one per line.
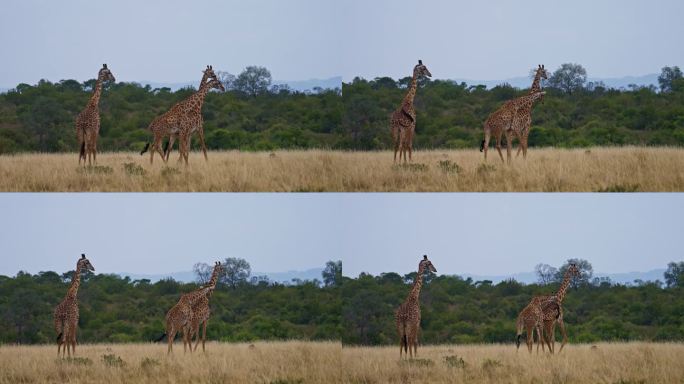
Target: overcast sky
(171,40)
(476,233)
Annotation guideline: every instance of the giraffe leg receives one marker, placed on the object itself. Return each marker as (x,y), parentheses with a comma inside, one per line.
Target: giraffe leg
(509,144)
(396,149)
(171,335)
(498,146)
(524,146)
(529,340)
(204,146)
(204,335)
(169,148)
(564,333)
(485,144)
(95,150)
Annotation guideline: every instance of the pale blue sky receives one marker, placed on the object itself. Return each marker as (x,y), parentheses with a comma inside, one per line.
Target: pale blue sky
(462,233)
(171,40)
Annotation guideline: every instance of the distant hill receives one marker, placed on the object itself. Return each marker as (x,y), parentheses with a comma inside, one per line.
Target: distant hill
(189,276)
(611,82)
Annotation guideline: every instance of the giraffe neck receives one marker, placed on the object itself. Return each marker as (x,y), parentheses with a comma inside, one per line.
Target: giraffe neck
(200,94)
(563,287)
(535,83)
(417,285)
(75,282)
(214,278)
(193,297)
(411,94)
(95,98)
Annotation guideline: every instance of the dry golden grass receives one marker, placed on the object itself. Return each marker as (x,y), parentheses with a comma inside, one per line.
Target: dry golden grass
(277,362)
(608,363)
(595,169)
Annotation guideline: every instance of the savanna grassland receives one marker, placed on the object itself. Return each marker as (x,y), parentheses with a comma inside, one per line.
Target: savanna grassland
(260,362)
(495,363)
(611,169)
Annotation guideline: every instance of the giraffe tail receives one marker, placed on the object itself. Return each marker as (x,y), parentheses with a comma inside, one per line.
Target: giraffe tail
(82,152)
(147,146)
(59,336)
(482,145)
(519,329)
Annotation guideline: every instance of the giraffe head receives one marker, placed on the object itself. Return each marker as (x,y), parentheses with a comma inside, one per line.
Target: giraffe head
(84,263)
(426,264)
(214,83)
(573,271)
(541,72)
(209,74)
(105,74)
(420,70)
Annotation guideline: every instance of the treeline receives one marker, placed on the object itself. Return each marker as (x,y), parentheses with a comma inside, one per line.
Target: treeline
(41,117)
(451,115)
(253,115)
(116,309)
(457,310)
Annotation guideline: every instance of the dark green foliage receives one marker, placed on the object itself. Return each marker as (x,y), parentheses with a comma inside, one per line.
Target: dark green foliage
(41,117)
(115,309)
(451,115)
(457,310)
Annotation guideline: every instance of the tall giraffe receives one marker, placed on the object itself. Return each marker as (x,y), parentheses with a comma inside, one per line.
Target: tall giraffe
(522,121)
(501,121)
(165,124)
(66,312)
(178,317)
(403,119)
(551,312)
(554,313)
(88,121)
(201,310)
(191,121)
(407,316)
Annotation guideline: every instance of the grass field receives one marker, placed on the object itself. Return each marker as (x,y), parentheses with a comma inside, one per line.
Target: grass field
(277,362)
(620,363)
(627,169)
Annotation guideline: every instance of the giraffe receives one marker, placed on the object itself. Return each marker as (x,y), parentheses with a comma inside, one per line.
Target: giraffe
(190,120)
(88,121)
(178,317)
(163,125)
(522,121)
(501,121)
(554,313)
(66,312)
(201,310)
(403,119)
(531,319)
(407,316)
(551,312)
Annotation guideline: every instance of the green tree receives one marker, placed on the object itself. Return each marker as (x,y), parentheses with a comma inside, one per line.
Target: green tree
(254,80)
(235,271)
(569,78)
(332,274)
(668,77)
(674,275)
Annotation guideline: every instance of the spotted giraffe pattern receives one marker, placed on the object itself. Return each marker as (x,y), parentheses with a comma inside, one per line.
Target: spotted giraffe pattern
(167,124)
(178,317)
(201,310)
(522,121)
(66,313)
(191,121)
(407,316)
(530,319)
(88,121)
(553,314)
(403,119)
(500,122)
